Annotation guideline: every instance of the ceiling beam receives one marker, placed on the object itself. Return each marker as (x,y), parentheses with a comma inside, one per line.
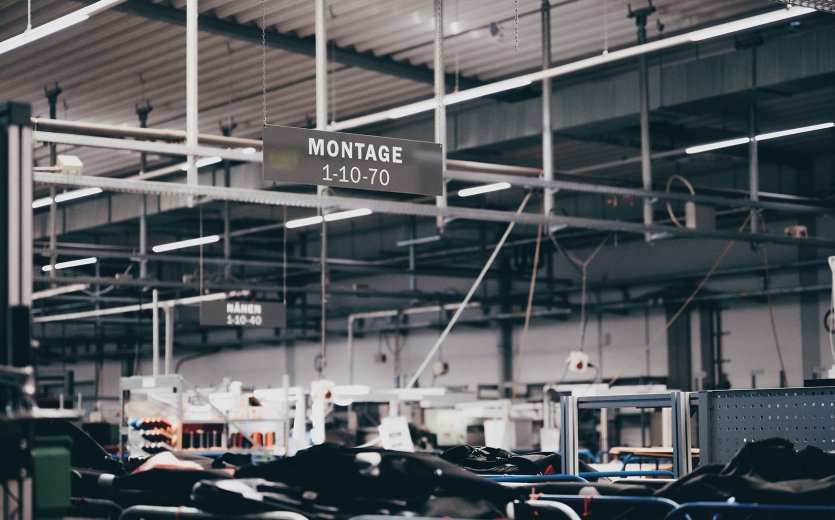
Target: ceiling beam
(304,45)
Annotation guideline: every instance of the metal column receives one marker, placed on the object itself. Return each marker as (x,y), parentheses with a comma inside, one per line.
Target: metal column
(641,16)
(52,96)
(155,333)
(682,460)
(322,124)
(191,91)
(440,107)
(169,338)
(547,132)
(753,161)
(569,439)
(143,112)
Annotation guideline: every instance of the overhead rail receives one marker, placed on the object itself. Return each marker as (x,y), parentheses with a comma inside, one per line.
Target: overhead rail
(252,196)
(246,150)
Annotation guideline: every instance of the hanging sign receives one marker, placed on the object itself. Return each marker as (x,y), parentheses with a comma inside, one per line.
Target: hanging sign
(366,162)
(243,314)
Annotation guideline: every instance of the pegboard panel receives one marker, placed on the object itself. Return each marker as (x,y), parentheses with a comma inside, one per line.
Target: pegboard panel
(730,418)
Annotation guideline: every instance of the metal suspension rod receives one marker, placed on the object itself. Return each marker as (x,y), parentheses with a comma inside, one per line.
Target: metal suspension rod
(467,298)
(440,108)
(547,132)
(322,191)
(191,91)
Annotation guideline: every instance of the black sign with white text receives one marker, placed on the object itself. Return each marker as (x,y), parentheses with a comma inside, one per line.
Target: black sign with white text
(243,314)
(342,160)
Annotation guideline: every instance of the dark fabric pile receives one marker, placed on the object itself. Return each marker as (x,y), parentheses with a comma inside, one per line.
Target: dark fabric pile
(336,482)
(768,471)
(496,461)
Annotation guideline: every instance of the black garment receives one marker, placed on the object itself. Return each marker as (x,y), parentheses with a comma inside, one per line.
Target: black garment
(768,471)
(372,481)
(495,461)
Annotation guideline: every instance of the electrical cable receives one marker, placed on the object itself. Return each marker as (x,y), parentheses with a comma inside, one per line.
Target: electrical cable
(264,59)
(683,307)
(689,187)
(524,340)
(582,266)
(771,310)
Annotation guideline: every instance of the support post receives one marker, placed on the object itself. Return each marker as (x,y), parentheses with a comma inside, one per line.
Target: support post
(169,338)
(155,333)
(226,130)
(547,131)
(753,161)
(143,113)
(641,16)
(440,107)
(682,460)
(52,97)
(322,124)
(191,91)
(350,350)
(569,439)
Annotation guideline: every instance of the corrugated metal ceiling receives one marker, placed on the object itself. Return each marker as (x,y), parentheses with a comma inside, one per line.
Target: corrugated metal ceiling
(114,61)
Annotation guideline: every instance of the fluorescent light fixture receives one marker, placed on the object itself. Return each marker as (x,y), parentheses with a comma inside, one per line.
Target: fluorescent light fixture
(56,25)
(40,203)
(211,239)
(717,145)
(71,263)
(487,188)
(794,131)
(76,194)
(204,161)
(302,222)
(248,150)
(57,291)
(749,23)
(353,390)
(342,215)
(487,90)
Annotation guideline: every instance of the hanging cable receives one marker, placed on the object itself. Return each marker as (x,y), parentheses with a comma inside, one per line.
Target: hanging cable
(524,340)
(583,267)
(767,280)
(683,307)
(516,21)
(670,211)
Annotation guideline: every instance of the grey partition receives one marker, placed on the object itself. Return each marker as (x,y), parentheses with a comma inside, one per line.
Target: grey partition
(730,418)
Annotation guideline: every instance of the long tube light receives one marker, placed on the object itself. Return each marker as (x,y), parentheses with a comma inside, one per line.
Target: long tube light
(59,24)
(794,131)
(330,217)
(342,215)
(71,263)
(561,70)
(211,239)
(487,188)
(761,137)
(64,197)
(717,145)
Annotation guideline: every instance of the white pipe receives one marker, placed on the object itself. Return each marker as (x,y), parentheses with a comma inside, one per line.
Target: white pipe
(463,304)
(322,191)
(191,90)
(138,307)
(169,338)
(155,332)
